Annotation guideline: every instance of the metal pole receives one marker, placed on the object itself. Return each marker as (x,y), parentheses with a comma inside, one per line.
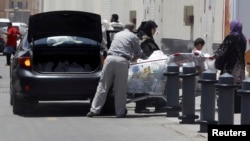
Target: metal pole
(245,102)
(226,89)
(188,94)
(172,90)
(207,114)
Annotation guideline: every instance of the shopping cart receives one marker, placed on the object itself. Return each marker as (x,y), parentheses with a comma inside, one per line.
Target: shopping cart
(148,78)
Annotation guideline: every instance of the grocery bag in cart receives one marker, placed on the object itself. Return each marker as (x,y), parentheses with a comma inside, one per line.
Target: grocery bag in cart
(146,76)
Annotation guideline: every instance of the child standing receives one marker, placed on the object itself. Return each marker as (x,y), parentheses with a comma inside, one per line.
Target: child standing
(197,50)
(199,62)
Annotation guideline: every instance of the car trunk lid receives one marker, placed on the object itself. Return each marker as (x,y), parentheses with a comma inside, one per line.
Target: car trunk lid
(69,23)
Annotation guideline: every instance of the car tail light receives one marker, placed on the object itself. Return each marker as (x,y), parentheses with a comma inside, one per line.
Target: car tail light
(27,87)
(25,62)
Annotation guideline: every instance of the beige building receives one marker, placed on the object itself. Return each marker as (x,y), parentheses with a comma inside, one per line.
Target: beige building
(18,10)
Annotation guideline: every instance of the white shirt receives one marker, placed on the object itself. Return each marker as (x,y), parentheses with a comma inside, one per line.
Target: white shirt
(117,26)
(199,61)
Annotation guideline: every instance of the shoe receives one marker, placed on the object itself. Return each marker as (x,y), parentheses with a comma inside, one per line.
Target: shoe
(160,110)
(142,111)
(7,64)
(123,115)
(92,114)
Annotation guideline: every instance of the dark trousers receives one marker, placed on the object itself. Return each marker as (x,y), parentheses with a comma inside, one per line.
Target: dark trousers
(8,57)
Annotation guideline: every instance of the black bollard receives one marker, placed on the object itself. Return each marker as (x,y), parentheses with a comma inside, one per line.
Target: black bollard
(226,88)
(245,102)
(207,114)
(172,90)
(188,94)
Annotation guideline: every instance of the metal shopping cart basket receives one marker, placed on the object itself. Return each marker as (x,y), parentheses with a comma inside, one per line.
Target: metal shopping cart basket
(146,78)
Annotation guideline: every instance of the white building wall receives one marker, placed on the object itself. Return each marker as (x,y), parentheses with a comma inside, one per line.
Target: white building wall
(138,6)
(239,9)
(82,5)
(212,23)
(219,21)
(173,15)
(207,24)
(168,14)
(103,7)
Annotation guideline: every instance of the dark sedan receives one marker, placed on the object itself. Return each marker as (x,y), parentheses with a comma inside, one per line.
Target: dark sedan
(60,58)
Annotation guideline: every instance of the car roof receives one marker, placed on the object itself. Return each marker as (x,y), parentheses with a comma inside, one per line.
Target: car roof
(65,23)
(19,24)
(4,20)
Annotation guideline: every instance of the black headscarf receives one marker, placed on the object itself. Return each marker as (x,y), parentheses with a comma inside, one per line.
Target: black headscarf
(148,44)
(147,28)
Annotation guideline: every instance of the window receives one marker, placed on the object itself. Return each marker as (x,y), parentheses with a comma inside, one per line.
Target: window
(11,4)
(20,5)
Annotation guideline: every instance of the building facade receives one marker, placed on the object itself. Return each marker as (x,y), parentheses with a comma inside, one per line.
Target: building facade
(18,10)
(179,22)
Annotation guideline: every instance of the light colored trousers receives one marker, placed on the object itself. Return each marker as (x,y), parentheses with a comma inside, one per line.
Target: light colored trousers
(115,71)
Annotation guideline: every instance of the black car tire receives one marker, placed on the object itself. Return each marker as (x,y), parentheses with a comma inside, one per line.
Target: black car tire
(19,105)
(109,106)
(11,93)
(11,100)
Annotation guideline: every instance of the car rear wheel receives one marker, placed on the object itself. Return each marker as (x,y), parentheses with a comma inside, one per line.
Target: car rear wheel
(19,105)
(11,100)
(109,106)
(12,92)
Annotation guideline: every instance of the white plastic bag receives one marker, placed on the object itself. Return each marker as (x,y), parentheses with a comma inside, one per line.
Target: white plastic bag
(209,64)
(143,74)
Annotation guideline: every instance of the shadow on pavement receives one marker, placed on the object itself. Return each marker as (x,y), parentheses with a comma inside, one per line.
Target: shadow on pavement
(58,109)
(74,109)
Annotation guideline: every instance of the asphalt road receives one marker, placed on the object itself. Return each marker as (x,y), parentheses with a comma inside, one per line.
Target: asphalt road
(66,121)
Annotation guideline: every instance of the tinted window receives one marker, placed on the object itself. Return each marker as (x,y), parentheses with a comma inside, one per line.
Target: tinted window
(3,24)
(64,40)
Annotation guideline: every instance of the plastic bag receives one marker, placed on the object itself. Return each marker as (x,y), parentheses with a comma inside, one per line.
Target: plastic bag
(209,64)
(146,76)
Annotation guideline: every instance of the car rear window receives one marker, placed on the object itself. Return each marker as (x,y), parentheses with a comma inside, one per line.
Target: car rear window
(3,24)
(64,41)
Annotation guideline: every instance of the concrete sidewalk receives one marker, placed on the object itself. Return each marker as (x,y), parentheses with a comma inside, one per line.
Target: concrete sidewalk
(196,127)
(191,131)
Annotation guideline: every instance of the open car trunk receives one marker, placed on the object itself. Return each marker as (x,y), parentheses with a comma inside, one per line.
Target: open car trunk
(82,59)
